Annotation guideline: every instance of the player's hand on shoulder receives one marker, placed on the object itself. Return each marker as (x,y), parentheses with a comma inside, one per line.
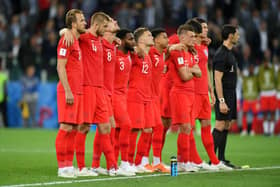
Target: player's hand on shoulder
(193,51)
(207,41)
(68,38)
(177,47)
(140,52)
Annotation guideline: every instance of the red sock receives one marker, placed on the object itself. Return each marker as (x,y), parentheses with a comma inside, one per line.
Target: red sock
(157,140)
(207,140)
(80,142)
(244,122)
(112,136)
(108,150)
(147,153)
(60,146)
(194,156)
(124,142)
(142,146)
(185,147)
(254,123)
(117,144)
(179,149)
(97,150)
(70,148)
(165,129)
(132,146)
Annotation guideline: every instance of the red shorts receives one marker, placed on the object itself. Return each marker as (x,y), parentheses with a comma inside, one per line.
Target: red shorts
(268,103)
(164,101)
(182,108)
(141,114)
(70,113)
(278,100)
(156,109)
(109,104)
(202,107)
(95,105)
(251,105)
(120,111)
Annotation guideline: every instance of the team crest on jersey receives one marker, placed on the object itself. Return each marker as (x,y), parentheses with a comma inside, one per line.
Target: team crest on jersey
(205,52)
(62,52)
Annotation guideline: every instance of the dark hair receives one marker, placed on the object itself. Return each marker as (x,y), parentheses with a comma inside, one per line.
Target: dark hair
(157,31)
(199,20)
(99,17)
(227,30)
(139,32)
(184,28)
(196,26)
(121,34)
(71,17)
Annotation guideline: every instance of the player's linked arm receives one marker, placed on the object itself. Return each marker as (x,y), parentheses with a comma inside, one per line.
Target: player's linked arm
(185,73)
(196,71)
(61,70)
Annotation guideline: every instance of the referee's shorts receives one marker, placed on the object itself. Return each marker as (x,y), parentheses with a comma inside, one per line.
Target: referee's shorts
(230,99)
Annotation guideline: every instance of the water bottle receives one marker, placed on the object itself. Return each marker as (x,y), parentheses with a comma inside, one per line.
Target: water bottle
(173,166)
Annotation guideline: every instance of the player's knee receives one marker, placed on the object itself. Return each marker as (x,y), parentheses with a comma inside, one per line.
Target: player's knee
(104,128)
(185,128)
(84,128)
(66,127)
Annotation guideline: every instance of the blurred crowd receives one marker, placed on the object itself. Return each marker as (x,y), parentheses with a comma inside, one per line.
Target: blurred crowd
(29,28)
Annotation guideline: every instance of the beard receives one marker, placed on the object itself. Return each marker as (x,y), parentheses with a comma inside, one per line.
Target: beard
(129,48)
(81,31)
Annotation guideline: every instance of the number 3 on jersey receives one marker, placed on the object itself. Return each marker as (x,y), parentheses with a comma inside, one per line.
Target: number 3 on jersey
(145,68)
(121,65)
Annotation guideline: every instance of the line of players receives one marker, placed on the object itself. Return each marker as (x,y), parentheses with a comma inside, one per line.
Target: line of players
(124,82)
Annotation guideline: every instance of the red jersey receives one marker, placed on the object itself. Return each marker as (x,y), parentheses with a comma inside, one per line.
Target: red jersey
(201,84)
(74,67)
(109,59)
(122,70)
(92,53)
(180,59)
(140,80)
(157,70)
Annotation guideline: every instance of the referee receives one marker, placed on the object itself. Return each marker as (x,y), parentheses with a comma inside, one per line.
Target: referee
(225,78)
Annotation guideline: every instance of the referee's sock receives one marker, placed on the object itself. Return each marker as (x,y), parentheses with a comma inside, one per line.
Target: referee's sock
(217,136)
(223,143)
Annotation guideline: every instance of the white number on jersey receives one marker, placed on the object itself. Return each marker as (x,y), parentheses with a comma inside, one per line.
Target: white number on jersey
(157,60)
(145,68)
(109,56)
(121,65)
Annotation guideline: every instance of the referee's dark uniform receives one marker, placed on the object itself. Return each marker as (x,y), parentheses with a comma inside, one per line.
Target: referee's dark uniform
(224,61)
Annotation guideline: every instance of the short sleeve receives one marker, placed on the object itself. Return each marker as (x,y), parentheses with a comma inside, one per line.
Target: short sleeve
(62,51)
(219,63)
(178,58)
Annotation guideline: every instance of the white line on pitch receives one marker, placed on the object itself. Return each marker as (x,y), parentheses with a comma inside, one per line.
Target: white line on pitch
(134,177)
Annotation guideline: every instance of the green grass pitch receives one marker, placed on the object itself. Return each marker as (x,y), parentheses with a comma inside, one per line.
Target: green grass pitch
(28,157)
